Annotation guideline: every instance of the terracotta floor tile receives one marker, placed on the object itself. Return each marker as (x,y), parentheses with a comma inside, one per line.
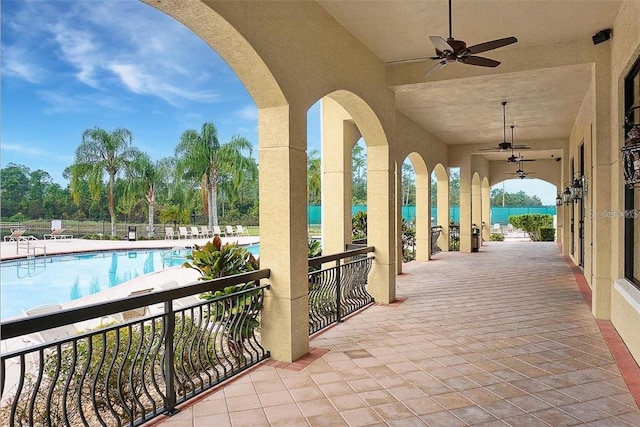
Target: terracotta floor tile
(361,417)
(498,347)
(442,419)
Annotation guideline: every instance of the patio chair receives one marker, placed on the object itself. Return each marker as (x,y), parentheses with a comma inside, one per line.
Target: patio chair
(230,231)
(57,234)
(169,233)
(195,232)
(183,232)
(14,236)
(205,232)
(137,312)
(217,231)
(240,231)
(53,334)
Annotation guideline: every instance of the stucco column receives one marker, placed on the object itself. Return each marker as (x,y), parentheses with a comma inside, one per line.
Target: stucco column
(381,223)
(423,217)
(599,189)
(442,202)
(283,231)
(339,135)
(476,201)
(486,211)
(398,216)
(465,207)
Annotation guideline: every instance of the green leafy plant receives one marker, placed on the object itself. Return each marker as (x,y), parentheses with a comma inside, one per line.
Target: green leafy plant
(497,237)
(547,234)
(531,223)
(214,260)
(236,307)
(359,225)
(408,240)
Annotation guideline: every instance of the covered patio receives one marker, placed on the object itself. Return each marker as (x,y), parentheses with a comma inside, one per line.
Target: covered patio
(500,337)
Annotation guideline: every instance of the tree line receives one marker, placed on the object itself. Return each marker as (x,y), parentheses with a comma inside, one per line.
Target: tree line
(111,178)
(204,178)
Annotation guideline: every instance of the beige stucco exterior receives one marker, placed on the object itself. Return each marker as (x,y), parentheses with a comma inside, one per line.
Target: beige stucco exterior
(291,54)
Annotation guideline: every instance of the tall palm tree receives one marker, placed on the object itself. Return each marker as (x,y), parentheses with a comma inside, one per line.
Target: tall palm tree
(314,179)
(202,158)
(101,152)
(144,178)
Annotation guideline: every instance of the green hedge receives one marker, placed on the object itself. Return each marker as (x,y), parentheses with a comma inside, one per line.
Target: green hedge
(497,237)
(547,234)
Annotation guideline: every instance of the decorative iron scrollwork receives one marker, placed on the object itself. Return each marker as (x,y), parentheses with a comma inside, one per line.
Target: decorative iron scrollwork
(631,151)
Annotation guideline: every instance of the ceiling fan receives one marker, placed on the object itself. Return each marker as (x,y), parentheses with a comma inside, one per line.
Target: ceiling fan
(513,158)
(521,172)
(505,145)
(452,50)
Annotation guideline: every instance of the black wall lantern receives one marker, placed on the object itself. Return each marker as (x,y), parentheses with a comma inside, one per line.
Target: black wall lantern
(631,152)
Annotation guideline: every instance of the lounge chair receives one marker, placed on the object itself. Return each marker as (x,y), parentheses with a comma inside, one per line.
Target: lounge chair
(14,236)
(195,232)
(57,234)
(205,232)
(137,312)
(230,231)
(217,231)
(240,231)
(183,232)
(53,334)
(169,233)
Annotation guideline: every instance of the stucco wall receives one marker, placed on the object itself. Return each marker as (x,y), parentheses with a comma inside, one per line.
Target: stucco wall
(625,298)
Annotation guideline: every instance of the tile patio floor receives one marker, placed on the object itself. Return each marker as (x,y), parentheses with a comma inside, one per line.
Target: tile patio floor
(495,338)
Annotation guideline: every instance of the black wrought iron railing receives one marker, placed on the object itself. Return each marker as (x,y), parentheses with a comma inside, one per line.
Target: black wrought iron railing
(454,237)
(435,235)
(126,372)
(338,290)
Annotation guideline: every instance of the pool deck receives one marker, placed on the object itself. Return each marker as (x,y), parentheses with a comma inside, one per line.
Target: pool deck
(18,250)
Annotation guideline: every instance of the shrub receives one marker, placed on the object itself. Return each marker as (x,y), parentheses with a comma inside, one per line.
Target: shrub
(215,260)
(531,223)
(359,225)
(547,234)
(497,237)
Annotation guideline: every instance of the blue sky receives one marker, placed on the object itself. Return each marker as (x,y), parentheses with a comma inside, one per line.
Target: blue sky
(70,65)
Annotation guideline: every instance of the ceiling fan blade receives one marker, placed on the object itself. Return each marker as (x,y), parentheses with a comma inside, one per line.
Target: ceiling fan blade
(494,44)
(436,67)
(520,147)
(479,60)
(400,61)
(440,44)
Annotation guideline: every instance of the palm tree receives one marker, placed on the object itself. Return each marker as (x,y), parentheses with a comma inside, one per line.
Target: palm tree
(101,152)
(202,158)
(313,178)
(144,178)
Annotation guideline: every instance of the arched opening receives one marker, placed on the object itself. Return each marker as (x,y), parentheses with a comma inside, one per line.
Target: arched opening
(440,202)
(416,224)
(347,119)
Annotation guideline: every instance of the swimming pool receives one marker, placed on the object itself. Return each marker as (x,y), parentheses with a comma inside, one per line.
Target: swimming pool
(57,279)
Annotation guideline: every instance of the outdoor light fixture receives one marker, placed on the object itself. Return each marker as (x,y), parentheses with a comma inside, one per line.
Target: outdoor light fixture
(566,196)
(631,152)
(578,188)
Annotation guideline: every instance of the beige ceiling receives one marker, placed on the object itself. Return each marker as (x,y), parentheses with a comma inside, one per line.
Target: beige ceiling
(542,104)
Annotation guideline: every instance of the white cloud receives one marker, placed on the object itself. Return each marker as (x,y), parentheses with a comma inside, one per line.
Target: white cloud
(23,149)
(77,48)
(141,82)
(248,112)
(16,63)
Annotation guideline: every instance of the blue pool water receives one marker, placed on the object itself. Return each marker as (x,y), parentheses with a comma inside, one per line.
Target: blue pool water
(56,279)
